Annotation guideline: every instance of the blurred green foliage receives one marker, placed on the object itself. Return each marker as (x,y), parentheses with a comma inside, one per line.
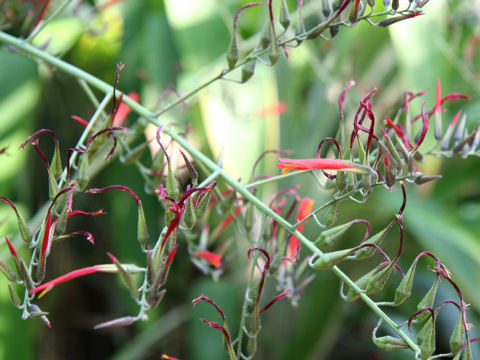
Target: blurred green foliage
(177,44)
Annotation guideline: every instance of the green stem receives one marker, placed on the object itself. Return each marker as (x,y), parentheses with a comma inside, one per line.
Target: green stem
(199,156)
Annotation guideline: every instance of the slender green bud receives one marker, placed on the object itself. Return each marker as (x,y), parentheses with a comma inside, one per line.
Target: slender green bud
(142,229)
(9,273)
(14,296)
(56,164)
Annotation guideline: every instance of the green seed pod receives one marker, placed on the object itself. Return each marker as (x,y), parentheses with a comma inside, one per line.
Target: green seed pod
(232,54)
(428,300)
(334,30)
(171,184)
(151,271)
(327,237)
(395,5)
(284,15)
(468,140)
(467,354)
(404,289)
(247,71)
(126,276)
(389,177)
(326,8)
(426,339)
(422,179)
(203,205)
(249,217)
(392,152)
(82,175)
(341,180)
(52,185)
(368,251)
(41,268)
(332,214)
(273,54)
(62,221)
(27,278)
(155,299)
(56,164)
(266,38)
(191,169)
(14,296)
(351,181)
(458,336)
(9,273)
(189,217)
(142,229)
(378,280)
(460,129)
(371,282)
(371,3)
(328,260)
(389,343)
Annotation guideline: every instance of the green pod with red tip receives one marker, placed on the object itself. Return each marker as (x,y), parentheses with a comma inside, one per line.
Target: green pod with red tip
(328,260)
(14,296)
(142,229)
(8,272)
(428,300)
(457,338)
(404,289)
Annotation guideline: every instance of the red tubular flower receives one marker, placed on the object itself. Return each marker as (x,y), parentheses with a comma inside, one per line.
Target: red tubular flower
(42,11)
(11,248)
(280,296)
(212,258)
(46,235)
(115,187)
(424,127)
(123,109)
(73,275)
(80,120)
(304,209)
(171,255)
(211,302)
(453,96)
(227,221)
(399,132)
(313,164)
